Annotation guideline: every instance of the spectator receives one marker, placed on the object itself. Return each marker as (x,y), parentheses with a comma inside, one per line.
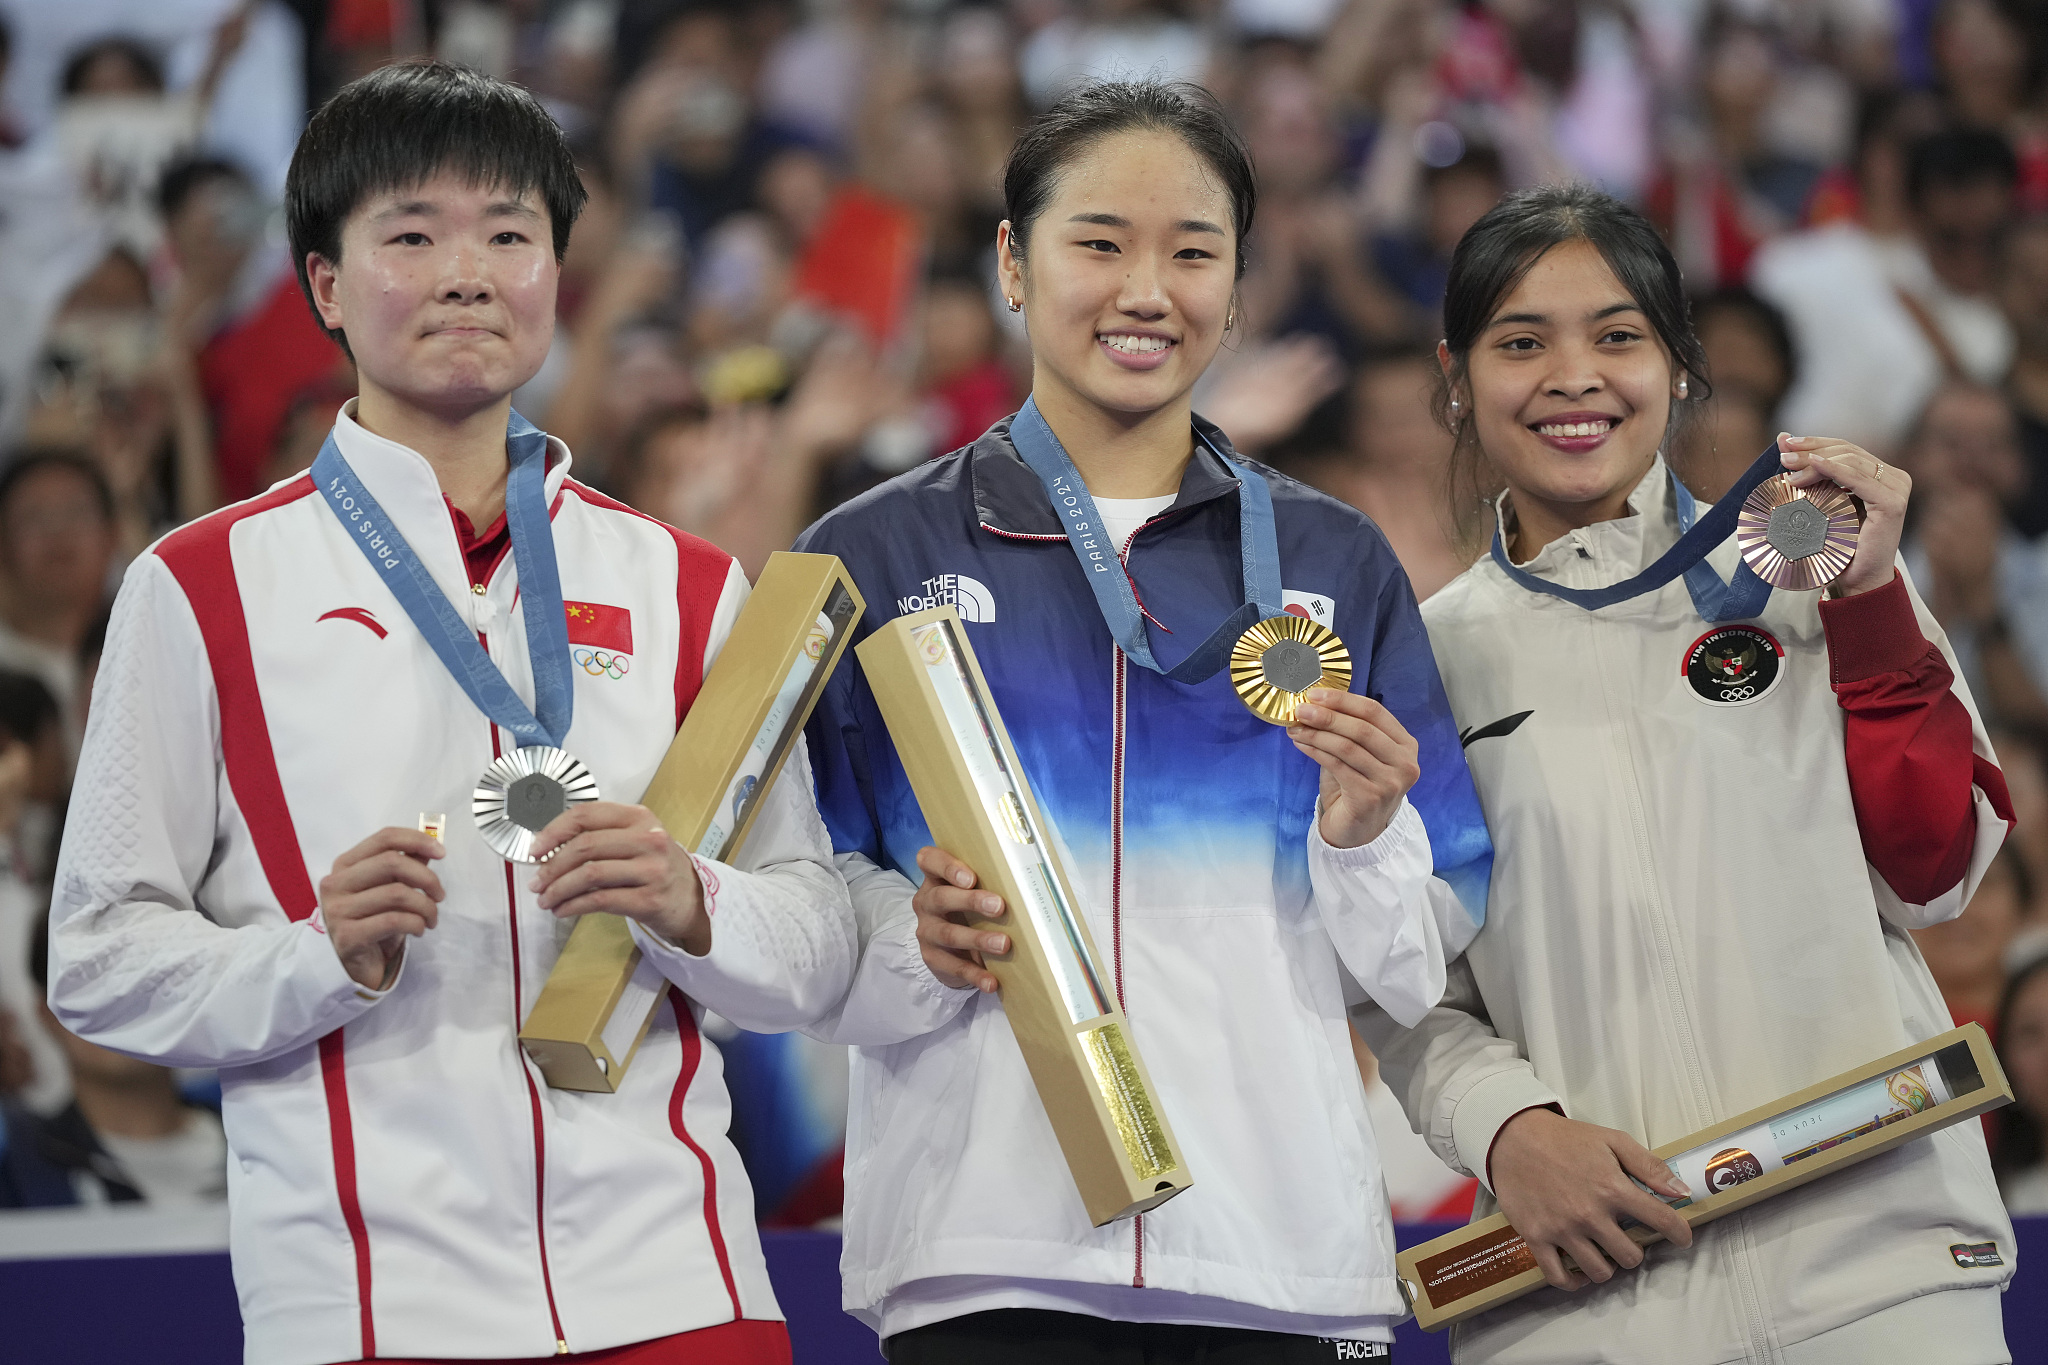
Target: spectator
(1749,357)
(56,550)
(1719,204)
(2023,293)
(1967,954)
(1393,468)
(1987,587)
(1879,323)
(33,774)
(2019,1154)
(49,240)
(238,309)
(119,127)
(687,127)
(1415,257)
(128,1135)
(2023,755)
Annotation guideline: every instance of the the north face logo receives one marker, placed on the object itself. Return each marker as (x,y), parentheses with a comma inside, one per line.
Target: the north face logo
(965,595)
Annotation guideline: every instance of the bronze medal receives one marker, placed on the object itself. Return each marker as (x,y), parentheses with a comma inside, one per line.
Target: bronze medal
(1279,659)
(1798,538)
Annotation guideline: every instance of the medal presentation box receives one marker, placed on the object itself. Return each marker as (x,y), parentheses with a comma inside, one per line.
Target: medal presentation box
(1914,1092)
(979,807)
(599,999)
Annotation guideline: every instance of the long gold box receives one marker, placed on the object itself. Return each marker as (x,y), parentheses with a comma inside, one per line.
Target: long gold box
(601,996)
(978,805)
(1777,1147)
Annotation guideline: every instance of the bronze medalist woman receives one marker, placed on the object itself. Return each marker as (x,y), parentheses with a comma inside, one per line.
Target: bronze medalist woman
(1718,812)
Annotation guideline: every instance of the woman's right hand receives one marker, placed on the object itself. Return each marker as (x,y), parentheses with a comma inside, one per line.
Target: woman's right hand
(1565,1187)
(951,949)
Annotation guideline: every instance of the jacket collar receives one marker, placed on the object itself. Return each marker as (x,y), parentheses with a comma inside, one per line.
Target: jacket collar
(1621,547)
(1010,501)
(402,481)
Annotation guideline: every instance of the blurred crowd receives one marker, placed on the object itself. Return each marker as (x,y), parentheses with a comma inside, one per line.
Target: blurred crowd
(782,294)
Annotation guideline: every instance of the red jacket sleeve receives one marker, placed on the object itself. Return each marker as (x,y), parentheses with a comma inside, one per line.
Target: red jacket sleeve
(1911,762)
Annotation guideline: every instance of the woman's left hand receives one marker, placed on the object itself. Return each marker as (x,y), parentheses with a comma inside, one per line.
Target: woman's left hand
(1368,761)
(1883,488)
(611,859)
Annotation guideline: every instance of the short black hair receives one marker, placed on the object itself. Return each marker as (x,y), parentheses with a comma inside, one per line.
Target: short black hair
(187,175)
(1955,158)
(39,954)
(2018,1141)
(140,53)
(27,710)
(405,123)
(38,458)
(1083,117)
(1766,316)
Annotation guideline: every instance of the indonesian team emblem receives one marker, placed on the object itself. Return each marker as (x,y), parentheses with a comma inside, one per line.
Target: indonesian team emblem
(1733,665)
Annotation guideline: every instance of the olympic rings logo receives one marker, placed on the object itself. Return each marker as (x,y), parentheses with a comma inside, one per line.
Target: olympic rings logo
(1737,693)
(600,663)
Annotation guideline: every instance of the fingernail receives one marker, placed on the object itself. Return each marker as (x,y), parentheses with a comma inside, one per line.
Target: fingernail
(996,943)
(963,878)
(1317,695)
(990,904)
(1308,712)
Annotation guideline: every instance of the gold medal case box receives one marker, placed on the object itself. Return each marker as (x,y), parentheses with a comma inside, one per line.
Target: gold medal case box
(1849,1118)
(601,996)
(979,807)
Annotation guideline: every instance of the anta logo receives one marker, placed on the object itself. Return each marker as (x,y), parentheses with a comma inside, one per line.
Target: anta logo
(969,597)
(362,616)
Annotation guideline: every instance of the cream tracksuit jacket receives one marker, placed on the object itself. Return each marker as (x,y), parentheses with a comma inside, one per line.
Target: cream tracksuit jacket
(1684,925)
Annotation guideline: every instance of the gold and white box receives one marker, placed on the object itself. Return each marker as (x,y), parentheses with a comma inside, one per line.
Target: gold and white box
(978,805)
(599,999)
(1777,1147)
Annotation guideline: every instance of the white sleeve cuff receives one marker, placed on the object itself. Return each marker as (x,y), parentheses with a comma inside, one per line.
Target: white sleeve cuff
(1401,834)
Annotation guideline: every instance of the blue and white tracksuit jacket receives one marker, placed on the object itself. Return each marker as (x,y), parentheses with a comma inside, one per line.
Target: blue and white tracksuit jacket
(1234,934)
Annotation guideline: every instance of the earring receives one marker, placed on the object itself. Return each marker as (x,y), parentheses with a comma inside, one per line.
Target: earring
(1015,306)
(1230,323)
(1454,407)
(1681,386)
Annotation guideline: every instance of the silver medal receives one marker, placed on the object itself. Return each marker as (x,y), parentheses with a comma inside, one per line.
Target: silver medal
(520,793)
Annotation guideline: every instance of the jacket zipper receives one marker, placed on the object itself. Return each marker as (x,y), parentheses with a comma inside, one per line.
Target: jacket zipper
(1116,865)
(1680,1010)
(540,1146)
(1116,907)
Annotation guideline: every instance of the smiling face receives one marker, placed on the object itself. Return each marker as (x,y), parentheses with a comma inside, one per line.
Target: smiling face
(446,291)
(1127,282)
(1570,388)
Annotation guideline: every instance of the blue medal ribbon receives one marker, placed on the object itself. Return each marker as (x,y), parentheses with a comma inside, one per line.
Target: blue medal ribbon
(1258,543)
(540,587)
(1742,598)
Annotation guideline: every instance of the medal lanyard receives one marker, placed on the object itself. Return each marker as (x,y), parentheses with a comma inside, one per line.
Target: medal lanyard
(1258,545)
(540,588)
(1742,598)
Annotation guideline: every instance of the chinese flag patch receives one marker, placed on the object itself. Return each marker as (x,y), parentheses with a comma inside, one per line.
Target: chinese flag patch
(593,623)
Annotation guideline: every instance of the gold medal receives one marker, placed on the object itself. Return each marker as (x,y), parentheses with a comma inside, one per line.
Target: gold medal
(1276,662)
(1798,538)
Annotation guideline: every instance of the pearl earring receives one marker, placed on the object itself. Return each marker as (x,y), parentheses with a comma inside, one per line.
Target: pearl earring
(1681,386)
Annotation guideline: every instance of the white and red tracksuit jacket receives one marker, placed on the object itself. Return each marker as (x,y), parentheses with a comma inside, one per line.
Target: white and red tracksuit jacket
(402,1184)
(1701,902)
